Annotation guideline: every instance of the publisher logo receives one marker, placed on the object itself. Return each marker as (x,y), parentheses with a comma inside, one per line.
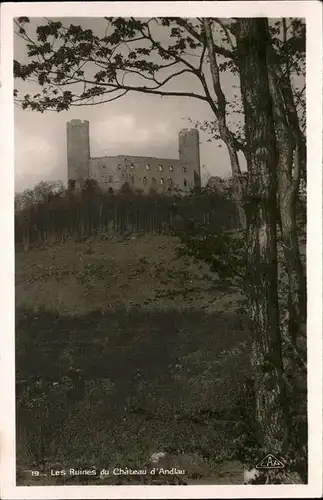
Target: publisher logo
(270,462)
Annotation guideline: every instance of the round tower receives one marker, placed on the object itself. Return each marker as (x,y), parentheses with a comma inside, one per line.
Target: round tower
(78,151)
(189,152)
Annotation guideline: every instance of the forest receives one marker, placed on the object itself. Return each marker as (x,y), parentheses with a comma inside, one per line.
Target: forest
(47,216)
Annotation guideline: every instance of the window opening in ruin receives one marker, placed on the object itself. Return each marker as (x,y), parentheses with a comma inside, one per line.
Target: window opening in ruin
(171,168)
(153,180)
(110,178)
(144,180)
(132,166)
(132,179)
(160,168)
(147,167)
(71,183)
(183,168)
(161,181)
(110,190)
(119,166)
(185,183)
(170,181)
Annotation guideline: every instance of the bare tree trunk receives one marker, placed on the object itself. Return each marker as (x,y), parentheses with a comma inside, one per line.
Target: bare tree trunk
(291,153)
(252,39)
(236,172)
(220,112)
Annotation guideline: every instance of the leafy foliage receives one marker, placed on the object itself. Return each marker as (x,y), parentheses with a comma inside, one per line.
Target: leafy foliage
(43,192)
(222,251)
(61,55)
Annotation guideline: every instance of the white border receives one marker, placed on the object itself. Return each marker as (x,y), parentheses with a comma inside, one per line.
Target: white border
(310,10)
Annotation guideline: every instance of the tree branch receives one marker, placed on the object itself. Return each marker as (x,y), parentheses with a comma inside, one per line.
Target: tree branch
(226,32)
(220,50)
(214,70)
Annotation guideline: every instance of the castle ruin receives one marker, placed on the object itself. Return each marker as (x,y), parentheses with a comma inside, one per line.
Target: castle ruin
(139,172)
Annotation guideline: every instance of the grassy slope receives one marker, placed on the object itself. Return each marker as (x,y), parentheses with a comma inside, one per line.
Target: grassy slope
(152,333)
(141,273)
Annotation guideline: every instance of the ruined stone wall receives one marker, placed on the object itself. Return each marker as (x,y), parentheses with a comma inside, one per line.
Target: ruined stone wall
(78,151)
(189,152)
(141,172)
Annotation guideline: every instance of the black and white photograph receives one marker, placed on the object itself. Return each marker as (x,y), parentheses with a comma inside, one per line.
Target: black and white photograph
(166,257)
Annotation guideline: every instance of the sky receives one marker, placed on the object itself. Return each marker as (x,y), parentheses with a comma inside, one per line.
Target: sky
(136,124)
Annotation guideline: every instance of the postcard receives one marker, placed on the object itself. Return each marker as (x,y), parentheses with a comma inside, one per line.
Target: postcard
(161,198)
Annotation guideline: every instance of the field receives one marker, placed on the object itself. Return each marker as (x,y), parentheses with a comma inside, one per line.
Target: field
(124,350)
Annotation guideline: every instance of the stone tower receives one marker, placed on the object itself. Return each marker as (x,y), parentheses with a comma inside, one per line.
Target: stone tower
(189,152)
(78,151)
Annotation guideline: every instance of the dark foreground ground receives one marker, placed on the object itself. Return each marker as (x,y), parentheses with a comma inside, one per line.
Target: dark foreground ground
(107,391)
(123,351)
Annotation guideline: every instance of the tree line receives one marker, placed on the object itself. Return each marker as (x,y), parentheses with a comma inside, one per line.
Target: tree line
(52,216)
